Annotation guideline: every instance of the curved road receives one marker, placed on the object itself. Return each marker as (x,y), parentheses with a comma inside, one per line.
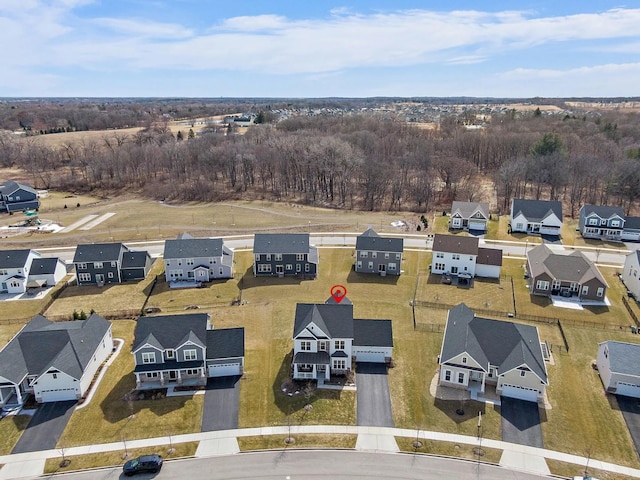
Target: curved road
(320,465)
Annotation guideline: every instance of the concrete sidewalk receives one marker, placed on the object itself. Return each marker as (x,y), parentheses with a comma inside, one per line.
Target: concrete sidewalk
(224,442)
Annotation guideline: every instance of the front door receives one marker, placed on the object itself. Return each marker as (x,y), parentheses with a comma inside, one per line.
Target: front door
(322,369)
(99,278)
(454,270)
(173,375)
(382,267)
(280,269)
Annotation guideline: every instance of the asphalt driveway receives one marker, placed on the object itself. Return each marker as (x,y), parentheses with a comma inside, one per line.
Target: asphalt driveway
(46,427)
(521,422)
(373,399)
(221,404)
(630,408)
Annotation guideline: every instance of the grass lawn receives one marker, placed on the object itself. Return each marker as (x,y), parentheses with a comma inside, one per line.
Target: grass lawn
(7,332)
(108,418)
(11,428)
(108,459)
(21,311)
(502,232)
(570,470)
(271,442)
(490,455)
(124,299)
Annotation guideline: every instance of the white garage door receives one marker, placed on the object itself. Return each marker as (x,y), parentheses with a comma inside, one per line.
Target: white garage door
(628,389)
(630,236)
(224,369)
(58,395)
(375,356)
(520,393)
(476,226)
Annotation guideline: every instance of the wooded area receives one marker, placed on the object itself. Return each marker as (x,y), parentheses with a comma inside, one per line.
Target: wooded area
(357,161)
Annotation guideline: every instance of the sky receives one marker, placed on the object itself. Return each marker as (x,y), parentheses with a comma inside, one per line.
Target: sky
(319,48)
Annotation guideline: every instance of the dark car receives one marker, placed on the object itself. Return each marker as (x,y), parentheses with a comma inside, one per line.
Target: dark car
(145,463)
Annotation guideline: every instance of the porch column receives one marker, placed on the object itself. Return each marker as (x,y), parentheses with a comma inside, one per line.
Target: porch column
(161,378)
(138,382)
(484,377)
(179,377)
(18,394)
(203,372)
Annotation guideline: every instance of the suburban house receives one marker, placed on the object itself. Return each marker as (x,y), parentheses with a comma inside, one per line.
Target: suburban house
(619,367)
(327,340)
(477,352)
(46,272)
(631,230)
(14,269)
(601,221)
(458,255)
(17,197)
(197,260)
(284,254)
(184,349)
(54,361)
(102,263)
(469,216)
(631,273)
(376,254)
(543,217)
(567,275)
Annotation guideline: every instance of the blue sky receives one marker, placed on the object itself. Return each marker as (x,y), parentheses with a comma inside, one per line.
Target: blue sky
(352,48)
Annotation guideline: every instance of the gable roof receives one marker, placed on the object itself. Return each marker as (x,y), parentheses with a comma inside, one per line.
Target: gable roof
(507,345)
(135,259)
(623,357)
(98,252)
(632,223)
(489,256)
(573,267)
(536,210)
(466,209)
(14,258)
(44,266)
(602,211)
(335,320)
(225,343)
(41,344)
(369,240)
(171,331)
(372,333)
(455,244)
(193,248)
(9,187)
(281,243)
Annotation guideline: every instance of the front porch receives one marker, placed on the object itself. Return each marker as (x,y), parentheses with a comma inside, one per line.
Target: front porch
(311,366)
(188,373)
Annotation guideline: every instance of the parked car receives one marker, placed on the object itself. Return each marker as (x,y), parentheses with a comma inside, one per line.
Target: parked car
(145,463)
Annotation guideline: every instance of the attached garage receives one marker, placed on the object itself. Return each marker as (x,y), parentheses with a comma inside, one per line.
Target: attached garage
(628,389)
(481,226)
(370,355)
(56,395)
(225,369)
(522,393)
(373,340)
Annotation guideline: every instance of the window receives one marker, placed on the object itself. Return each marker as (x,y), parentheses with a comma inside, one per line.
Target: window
(447,375)
(192,371)
(439,255)
(460,377)
(171,354)
(54,375)
(175,274)
(606,352)
(148,357)
(81,266)
(519,226)
(455,256)
(391,267)
(305,345)
(268,257)
(109,274)
(338,344)
(542,285)
(168,263)
(298,267)
(374,254)
(593,221)
(600,292)
(615,223)
(190,354)
(386,256)
(300,257)
(364,254)
(523,373)
(370,265)
(264,268)
(98,265)
(6,272)
(398,255)
(152,375)
(289,267)
(84,277)
(359,265)
(323,346)
(585,290)
(189,261)
(257,257)
(278,257)
(340,364)
(307,267)
(439,266)
(464,359)
(555,284)
(114,264)
(454,270)
(221,271)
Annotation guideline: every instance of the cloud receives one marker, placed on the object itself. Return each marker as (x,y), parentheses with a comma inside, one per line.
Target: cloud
(143,28)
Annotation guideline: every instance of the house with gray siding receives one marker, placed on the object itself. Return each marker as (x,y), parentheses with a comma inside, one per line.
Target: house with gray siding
(184,349)
(379,255)
(102,263)
(537,217)
(18,197)
(569,275)
(469,216)
(197,260)
(54,361)
(477,352)
(601,222)
(284,254)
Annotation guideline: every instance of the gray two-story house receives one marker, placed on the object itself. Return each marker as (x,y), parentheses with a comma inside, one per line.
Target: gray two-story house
(17,197)
(102,263)
(284,254)
(602,222)
(184,349)
(376,254)
(197,260)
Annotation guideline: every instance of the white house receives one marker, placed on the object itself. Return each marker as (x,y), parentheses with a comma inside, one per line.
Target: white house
(619,367)
(327,340)
(541,217)
(631,273)
(197,260)
(477,352)
(46,272)
(14,269)
(469,216)
(457,254)
(55,361)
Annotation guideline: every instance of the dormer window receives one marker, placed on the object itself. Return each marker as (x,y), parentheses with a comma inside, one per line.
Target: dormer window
(171,354)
